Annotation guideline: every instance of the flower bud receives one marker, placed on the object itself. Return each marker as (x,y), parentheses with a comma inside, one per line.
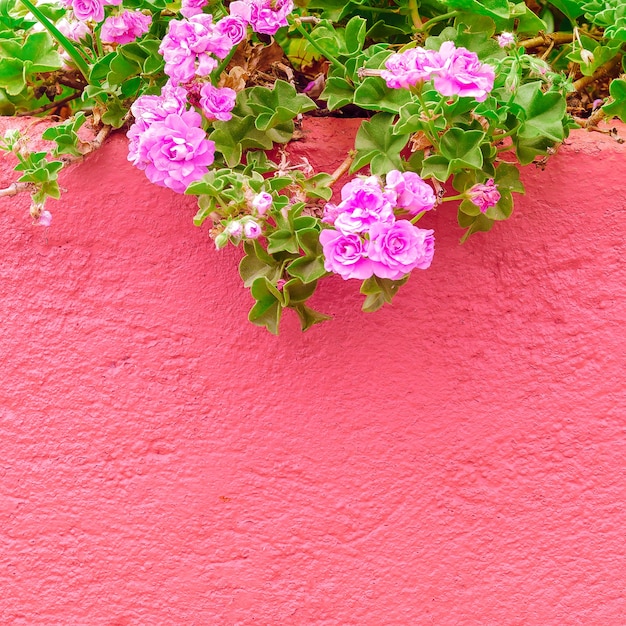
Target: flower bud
(484,195)
(262,202)
(11,139)
(234,229)
(221,240)
(252,230)
(506,40)
(587,56)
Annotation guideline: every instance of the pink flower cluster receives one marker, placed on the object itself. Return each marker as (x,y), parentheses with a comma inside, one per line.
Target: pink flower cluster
(265,16)
(125,27)
(191,47)
(454,71)
(367,239)
(167,141)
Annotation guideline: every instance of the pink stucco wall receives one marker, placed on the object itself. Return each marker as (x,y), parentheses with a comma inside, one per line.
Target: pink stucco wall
(458,458)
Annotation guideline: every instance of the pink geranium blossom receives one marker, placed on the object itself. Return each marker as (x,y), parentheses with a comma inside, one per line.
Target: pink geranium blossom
(189,8)
(412,192)
(363,202)
(91,9)
(346,255)
(265,16)
(484,195)
(125,27)
(175,152)
(463,74)
(191,46)
(217,103)
(408,68)
(397,249)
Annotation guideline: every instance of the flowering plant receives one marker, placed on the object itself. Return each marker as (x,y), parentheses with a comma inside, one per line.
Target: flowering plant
(455,94)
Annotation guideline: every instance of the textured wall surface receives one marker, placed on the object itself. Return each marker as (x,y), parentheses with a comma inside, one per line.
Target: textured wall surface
(458,458)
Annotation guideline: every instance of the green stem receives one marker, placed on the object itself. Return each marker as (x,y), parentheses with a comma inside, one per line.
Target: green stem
(438,18)
(65,43)
(461,196)
(415,16)
(418,217)
(298,26)
(215,75)
(432,132)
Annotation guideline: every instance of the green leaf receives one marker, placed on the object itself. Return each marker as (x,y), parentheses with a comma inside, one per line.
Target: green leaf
(65,43)
(267,310)
(39,50)
(355,34)
(282,240)
(337,93)
(436,166)
(372,94)
(617,108)
(307,269)
(462,148)
(12,76)
(377,146)
(544,116)
(257,264)
(309,317)
(507,177)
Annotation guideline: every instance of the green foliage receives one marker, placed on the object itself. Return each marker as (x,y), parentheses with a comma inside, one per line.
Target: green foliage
(344,45)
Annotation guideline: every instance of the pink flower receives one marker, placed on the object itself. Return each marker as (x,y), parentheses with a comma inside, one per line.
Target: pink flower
(346,255)
(175,152)
(397,249)
(413,193)
(262,202)
(463,74)
(189,8)
(217,103)
(484,195)
(44,219)
(233,27)
(187,42)
(363,203)
(91,9)
(73,29)
(505,40)
(265,16)
(409,68)
(252,230)
(125,27)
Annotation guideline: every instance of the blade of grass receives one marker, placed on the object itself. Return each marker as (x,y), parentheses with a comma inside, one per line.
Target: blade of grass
(60,37)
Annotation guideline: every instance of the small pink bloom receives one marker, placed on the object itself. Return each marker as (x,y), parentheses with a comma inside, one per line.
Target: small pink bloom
(265,16)
(234,229)
(217,103)
(252,230)
(262,202)
(45,219)
(346,255)
(125,27)
(505,40)
(233,27)
(400,248)
(413,193)
(462,74)
(484,195)
(73,29)
(189,8)
(408,68)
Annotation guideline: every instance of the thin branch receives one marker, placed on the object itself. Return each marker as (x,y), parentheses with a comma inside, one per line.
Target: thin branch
(601,72)
(546,38)
(343,168)
(50,105)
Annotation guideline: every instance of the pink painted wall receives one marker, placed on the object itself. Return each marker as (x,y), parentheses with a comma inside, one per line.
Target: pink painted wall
(458,458)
